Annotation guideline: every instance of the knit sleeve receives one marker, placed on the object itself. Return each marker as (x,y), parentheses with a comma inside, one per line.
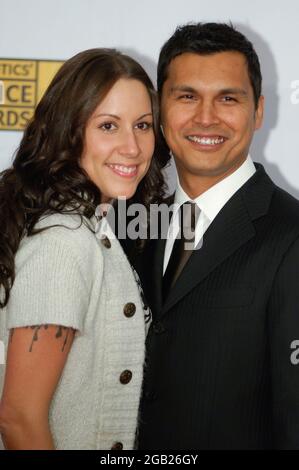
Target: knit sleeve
(49,287)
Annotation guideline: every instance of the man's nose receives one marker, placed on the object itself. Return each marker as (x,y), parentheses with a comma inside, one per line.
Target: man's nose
(205,114)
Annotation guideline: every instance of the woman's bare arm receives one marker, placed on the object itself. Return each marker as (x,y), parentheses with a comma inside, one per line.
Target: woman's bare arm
(35,360)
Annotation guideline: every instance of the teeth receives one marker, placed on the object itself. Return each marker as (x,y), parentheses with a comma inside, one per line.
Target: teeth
(206,140)
(124,169)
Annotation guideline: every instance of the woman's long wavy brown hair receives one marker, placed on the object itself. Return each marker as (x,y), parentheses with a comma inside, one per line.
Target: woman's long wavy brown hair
(46,176)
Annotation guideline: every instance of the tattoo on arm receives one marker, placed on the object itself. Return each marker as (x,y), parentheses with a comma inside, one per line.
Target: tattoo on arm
(11,334)
(59,334)
(62,332)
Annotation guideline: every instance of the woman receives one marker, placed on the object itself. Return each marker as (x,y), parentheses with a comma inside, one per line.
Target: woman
(70,300)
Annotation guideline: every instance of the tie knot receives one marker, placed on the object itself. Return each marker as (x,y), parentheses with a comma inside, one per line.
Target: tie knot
(189,213)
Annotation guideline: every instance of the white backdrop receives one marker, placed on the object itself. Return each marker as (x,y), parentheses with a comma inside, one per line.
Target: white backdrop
(57,29)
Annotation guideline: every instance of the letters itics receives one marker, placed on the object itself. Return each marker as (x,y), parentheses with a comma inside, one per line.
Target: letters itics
(22,84)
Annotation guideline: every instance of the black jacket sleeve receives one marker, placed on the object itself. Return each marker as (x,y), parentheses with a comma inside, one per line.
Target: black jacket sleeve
(283,324)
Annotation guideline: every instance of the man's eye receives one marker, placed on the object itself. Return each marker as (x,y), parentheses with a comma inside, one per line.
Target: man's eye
(144,126)
(228,98)
(186,97)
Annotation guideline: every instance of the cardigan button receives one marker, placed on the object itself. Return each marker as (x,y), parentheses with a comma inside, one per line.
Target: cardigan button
(117,446)
(106,242)
(129,309)
(125,377)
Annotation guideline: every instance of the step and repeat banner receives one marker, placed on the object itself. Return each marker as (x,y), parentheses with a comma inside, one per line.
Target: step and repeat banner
(22,84)
(36,36)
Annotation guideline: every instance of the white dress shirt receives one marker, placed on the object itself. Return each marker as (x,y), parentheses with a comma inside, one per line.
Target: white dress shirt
(210,204)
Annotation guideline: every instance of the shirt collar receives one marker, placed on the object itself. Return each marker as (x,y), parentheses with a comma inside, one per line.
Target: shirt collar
(212,200)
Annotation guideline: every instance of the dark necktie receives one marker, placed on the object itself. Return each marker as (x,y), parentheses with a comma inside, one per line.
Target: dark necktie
(182,247)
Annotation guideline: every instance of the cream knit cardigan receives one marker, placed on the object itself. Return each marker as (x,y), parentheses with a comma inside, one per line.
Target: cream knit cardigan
(71,278)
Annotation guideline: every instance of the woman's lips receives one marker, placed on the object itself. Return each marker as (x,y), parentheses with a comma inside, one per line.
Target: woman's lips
(126,171)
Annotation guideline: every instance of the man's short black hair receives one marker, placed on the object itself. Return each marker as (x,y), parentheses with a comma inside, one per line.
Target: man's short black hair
(210,38)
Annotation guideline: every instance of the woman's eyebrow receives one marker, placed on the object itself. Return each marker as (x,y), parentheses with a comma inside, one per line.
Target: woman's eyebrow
(114,116)
(144,115)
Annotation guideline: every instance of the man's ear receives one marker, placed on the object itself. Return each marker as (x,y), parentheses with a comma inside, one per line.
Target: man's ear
(259,113)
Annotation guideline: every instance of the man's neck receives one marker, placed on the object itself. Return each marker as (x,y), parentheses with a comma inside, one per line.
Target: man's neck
(195,185)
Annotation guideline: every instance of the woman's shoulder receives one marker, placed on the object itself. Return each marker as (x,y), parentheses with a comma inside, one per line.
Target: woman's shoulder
(69,234)
(66,226)
(69,221)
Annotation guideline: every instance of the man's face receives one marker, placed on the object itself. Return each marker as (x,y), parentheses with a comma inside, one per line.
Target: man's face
(209,115)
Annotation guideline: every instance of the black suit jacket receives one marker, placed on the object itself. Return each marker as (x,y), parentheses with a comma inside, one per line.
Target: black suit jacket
(218,372)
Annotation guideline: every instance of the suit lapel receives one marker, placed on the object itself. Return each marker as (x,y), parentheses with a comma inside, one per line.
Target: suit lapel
(155,284)
(151,269)
(231,228)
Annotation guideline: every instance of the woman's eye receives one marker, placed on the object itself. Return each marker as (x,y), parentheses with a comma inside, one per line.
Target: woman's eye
(107,126)
(144,126)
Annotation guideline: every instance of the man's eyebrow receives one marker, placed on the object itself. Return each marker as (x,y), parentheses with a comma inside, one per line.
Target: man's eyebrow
(223,91)
(233,91)
(182,88)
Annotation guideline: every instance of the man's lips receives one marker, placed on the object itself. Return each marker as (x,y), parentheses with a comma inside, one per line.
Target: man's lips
(127,171)
(206,140)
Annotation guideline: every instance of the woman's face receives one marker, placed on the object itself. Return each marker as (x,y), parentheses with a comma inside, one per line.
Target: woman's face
(119,140)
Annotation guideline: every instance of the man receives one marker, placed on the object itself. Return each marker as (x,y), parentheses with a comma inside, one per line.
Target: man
(219,372)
